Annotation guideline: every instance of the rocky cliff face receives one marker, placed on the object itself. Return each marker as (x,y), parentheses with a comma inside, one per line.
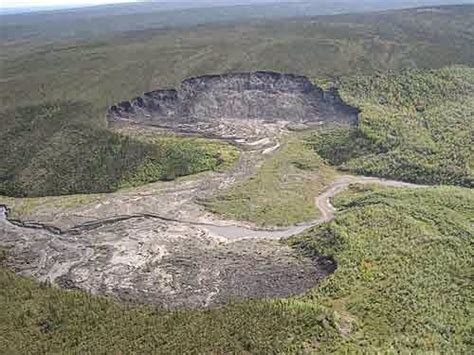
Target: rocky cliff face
(264,97)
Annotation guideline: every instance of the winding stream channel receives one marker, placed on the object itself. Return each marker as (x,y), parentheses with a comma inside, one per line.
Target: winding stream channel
(232,230)
(170,261)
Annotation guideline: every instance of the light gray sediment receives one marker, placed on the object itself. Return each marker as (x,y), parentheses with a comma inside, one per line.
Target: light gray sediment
(172,263)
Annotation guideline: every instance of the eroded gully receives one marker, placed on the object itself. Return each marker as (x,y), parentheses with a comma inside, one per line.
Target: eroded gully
(169,252)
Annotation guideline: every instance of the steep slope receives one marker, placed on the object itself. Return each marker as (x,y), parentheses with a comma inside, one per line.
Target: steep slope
(255,98)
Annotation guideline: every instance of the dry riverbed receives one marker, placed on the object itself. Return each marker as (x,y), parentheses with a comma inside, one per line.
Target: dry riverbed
(155,244)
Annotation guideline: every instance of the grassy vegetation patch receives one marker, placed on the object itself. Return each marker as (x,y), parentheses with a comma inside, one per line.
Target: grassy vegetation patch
(226,154)
(403,284)
(282,191)
(46,150)
(415,125)
(25,208)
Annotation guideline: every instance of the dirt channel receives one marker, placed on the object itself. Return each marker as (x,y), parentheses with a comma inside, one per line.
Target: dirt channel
(169,260)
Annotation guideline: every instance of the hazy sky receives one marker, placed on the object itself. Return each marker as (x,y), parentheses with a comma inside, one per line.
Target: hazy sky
(44,3)
(70,3)
(9,4)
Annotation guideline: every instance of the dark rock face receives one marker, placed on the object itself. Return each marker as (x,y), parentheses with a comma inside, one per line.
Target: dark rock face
(258,96)
(159,103)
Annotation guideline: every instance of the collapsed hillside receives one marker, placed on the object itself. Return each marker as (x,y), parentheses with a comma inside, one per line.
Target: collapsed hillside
(228,105)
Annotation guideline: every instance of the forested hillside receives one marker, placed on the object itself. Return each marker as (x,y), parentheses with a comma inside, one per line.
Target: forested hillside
(415,126)
(86,22)
(54,149)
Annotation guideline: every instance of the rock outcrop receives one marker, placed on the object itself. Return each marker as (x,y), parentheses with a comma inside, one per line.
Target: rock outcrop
(258,97)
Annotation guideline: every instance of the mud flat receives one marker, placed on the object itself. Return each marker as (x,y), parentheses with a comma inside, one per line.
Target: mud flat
(167,264)
(149,259)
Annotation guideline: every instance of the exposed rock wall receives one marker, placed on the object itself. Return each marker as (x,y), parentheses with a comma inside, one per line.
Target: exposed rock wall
(257,96)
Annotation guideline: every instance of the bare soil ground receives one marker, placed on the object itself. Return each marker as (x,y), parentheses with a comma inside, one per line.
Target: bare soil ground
(147,258)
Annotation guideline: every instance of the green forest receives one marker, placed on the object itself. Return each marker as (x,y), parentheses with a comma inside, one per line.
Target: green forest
(414,125)
(52,149)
